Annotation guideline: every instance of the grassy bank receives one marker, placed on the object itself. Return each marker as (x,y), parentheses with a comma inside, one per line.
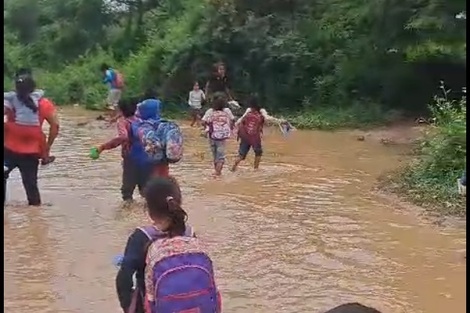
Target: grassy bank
(430,179)
(358,115)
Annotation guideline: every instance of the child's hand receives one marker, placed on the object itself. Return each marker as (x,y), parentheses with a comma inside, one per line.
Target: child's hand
(95,152)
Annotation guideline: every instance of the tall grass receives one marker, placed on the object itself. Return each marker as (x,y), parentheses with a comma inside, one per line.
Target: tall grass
(430,179)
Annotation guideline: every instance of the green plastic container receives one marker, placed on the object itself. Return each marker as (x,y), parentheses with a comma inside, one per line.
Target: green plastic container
(94,154)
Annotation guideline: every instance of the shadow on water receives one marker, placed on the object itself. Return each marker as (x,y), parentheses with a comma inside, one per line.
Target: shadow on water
(301,234)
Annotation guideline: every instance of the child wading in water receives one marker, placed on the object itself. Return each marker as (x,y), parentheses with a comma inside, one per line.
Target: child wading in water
(219,121)
(164,253)
(250,130)
(133,173)
(196,97)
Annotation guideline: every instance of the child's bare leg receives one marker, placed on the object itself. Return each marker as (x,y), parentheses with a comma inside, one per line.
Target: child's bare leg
(257,162)
(243,150)
(237,162)
(258,153)
(219,157)
(193,119)
(218,168)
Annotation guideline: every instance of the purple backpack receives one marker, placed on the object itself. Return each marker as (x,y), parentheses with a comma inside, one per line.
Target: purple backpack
(179,277)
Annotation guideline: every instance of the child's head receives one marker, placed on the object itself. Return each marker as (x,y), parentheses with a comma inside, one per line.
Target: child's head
(220,69)
(219,104)
(24,86)
(253,103)
(104,67)
(196,86)
(127,107)
(163,197)
(150,93)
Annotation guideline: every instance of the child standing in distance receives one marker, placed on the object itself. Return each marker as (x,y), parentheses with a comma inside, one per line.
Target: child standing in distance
(250,131)
(196,97)
(150,246)
(219,121)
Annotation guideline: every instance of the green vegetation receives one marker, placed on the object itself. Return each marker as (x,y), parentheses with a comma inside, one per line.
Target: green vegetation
(325,63)
(344,63)
(430,180)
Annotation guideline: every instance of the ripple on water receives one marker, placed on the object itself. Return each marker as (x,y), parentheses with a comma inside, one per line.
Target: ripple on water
(285,238)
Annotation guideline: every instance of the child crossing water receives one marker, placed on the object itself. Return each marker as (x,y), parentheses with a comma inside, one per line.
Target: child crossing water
(134,173)
(154,252)
(219,121)
(250,130)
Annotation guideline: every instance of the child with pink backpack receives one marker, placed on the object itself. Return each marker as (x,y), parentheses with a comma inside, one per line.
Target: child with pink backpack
(219,122)
(173,273)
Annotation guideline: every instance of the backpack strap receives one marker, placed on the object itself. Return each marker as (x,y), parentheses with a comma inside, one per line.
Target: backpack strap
(153,234)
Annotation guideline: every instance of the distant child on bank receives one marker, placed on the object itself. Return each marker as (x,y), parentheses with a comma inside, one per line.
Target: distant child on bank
(250,131)
(196,97)
(219,121)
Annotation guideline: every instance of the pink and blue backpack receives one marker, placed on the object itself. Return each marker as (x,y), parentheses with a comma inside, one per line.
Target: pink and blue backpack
(156,141)
(179,276)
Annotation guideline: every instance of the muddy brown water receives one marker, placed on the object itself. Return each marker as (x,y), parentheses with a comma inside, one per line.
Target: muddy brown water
(303,234)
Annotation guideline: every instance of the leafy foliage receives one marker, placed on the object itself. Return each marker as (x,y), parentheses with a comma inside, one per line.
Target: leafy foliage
(432,177)
(296,54)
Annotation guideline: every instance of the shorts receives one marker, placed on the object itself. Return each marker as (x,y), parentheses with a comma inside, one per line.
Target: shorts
(195,112)
(114,95)
(245,147)
(218,150)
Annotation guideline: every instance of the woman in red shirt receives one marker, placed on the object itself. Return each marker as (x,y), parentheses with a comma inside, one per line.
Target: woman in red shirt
(25,144)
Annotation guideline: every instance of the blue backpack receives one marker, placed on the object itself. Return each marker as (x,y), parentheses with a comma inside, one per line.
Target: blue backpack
(179,276)
(156,141)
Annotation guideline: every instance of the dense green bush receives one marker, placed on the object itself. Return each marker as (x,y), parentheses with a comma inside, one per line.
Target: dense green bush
(431,178)
(320,57)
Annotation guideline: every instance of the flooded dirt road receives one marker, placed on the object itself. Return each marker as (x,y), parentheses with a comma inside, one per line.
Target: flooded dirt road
(303,234)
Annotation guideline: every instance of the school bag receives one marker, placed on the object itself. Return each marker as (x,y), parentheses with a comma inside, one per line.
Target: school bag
(251,126)
(118,80)
(179,275)
(156,141)
(219,126)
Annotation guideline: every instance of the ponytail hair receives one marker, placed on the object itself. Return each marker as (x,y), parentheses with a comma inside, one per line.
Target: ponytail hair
(163,197)
(178,218)
(24,86)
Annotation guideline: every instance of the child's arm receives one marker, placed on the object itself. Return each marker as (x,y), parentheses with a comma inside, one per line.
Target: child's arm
(206,117)
(207,87)
(231,116)
(122,136)
(108,77)
(242,117)
(9,95)
(133,260)
(270,118)
(189,98)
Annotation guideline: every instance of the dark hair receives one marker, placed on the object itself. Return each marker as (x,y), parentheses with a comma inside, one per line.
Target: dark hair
(253,103)
(353,308)
(163,197)
(24,86)
(23,71)
(127,107)
(104,67)
(196,82)
(150,93)
(219,104)
(216,67)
